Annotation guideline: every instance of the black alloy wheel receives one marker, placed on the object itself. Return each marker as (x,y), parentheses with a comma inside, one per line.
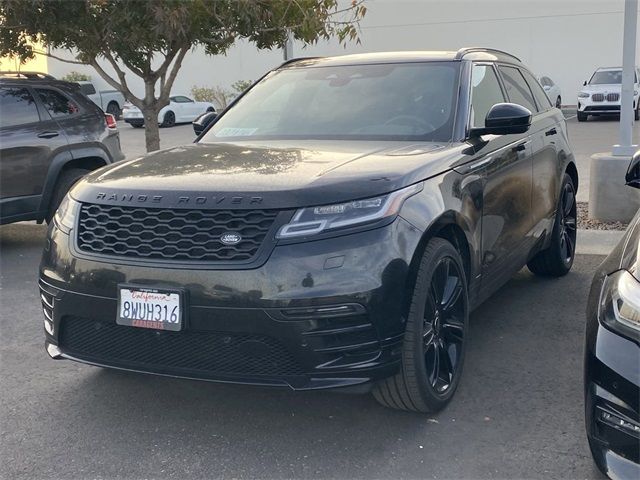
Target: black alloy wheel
(443,325)
(568,222)
(557,259)
(435,335)
(169,119)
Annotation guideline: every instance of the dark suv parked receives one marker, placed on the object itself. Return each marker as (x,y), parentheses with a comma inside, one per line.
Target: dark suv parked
(333,228)
(50,135)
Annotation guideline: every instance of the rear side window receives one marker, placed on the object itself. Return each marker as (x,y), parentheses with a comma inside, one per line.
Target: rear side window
(56,103)
(517,89)
(87,88)
(541,97)
(485,93)
(17,107)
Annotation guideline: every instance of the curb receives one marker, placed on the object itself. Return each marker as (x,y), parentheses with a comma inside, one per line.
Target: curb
(597,242)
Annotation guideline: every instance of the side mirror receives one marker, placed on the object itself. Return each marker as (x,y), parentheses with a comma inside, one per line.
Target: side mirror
(633,172)
(504,119)
(584,84)
(203,121)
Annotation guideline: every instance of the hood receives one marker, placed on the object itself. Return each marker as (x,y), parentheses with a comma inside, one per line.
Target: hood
(602,88)
(277,175)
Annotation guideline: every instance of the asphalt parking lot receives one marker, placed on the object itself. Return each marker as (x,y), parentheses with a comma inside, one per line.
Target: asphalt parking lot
(518,412)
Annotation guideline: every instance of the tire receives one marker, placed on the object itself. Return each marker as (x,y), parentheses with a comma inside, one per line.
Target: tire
(557,259)
(65,181)
(210,109)
(436,332)
(169,120)
(114,110)
(636,114)
(559,102)
(582,117)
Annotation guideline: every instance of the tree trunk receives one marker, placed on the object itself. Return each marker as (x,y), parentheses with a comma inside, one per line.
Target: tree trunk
(151,129)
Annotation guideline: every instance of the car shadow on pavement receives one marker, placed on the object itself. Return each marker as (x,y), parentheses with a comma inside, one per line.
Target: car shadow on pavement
(518,412)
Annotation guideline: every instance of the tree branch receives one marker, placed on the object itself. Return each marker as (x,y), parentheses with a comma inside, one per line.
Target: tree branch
(164,94)
(122,85)
(47,54)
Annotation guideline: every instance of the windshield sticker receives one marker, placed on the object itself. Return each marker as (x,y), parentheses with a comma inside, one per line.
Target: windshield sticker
(236,132)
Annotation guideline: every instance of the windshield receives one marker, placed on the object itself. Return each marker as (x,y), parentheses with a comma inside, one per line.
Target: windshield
(609,77)
(410,101)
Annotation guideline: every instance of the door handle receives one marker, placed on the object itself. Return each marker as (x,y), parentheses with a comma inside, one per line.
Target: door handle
(521,147)
(553,131)
(48,134)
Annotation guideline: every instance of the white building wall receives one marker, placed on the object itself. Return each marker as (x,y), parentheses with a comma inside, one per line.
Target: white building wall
(564,39)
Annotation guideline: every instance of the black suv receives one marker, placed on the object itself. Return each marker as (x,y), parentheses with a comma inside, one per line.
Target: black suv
(332,228)
(50,135)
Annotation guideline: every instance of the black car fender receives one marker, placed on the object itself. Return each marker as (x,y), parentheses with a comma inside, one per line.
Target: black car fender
(435,216)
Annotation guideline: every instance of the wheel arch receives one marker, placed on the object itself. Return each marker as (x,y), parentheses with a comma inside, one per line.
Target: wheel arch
(86,158)
(449,226)
(572,171)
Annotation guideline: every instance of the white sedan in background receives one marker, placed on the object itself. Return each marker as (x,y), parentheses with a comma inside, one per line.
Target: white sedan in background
(181,109)
(552,90)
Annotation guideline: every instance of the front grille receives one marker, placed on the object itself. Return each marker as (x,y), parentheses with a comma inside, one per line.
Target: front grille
(613,97)
(597,97)
(166,234)
(200,353)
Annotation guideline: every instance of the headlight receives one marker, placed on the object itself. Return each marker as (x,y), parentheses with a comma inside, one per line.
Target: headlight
(65,216)
(315,220)
(584,95)
(620,303)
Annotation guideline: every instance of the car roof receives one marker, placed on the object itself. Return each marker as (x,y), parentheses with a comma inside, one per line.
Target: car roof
(469,53)
(35,78)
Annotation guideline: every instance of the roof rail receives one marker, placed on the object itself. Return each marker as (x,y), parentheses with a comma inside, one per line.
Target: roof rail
(28,75)
(464,51)
(297,59)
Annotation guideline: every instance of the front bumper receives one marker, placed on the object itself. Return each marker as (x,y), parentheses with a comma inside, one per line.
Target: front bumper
(587,105)
(322,314)
(612,396)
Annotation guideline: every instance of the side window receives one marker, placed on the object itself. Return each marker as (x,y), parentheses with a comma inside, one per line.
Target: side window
(182,99)
(56,104)
(541,97)
(87,88)
(517,89)
(485,93)
(17,106)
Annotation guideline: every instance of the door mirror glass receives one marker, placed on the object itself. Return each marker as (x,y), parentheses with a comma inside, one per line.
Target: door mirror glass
(505,119)
(203,121)
(633,173)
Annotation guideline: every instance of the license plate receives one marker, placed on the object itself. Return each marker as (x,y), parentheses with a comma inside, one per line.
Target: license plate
(156,308)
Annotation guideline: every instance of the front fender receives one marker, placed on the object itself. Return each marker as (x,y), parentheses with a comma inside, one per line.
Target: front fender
(450,199)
